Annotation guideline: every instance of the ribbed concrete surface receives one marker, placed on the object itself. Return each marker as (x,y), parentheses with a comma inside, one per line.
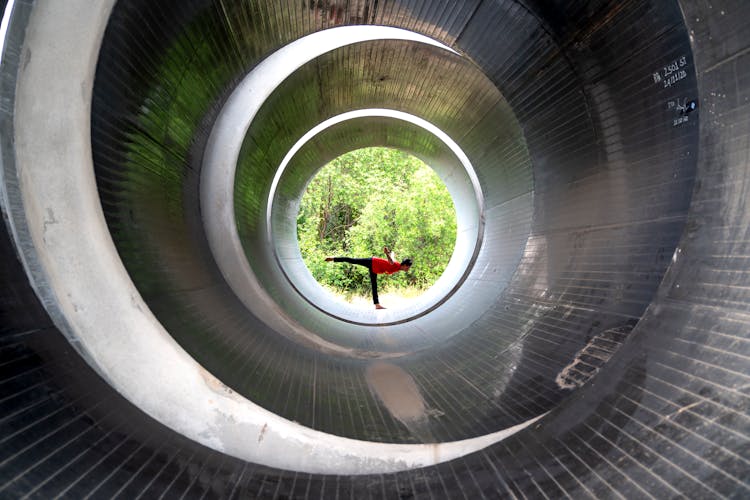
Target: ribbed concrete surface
(615,250)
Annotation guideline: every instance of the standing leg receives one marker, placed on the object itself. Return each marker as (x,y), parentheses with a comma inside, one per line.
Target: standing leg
(366,262)
(374,285)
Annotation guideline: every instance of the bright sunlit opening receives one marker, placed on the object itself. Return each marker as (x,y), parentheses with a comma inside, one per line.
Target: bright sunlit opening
(372,198)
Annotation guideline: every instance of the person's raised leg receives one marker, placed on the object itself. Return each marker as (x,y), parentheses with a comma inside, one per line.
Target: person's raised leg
(366,262)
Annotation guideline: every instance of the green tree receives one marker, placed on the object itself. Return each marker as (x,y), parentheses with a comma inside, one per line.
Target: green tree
(373,197)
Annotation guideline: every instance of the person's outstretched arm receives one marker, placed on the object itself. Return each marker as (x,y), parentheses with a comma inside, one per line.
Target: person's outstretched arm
(390,255)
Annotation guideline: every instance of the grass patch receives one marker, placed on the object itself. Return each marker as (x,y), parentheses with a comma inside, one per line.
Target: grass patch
(388,297)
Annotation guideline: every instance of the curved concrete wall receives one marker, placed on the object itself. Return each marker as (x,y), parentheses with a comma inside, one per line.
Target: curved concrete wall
(608,289)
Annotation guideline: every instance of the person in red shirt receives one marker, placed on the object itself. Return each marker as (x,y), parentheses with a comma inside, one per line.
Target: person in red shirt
(375,266)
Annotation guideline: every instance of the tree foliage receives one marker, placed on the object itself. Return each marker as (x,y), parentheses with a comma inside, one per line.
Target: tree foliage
(370,198)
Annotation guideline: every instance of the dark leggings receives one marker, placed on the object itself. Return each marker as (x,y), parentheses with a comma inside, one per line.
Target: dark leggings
(367,262)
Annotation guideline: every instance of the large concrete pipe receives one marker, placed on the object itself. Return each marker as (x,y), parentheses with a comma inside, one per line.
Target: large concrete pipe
(161,336)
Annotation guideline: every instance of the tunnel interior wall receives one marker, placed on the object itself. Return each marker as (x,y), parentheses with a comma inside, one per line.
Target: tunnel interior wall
(599,205)
(669,417)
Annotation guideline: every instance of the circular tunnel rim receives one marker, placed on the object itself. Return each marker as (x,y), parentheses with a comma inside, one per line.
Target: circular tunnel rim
(68,274)
(220,160)
(459,266)
(488,279)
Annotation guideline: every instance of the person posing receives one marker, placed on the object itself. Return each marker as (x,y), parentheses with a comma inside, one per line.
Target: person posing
(376,265)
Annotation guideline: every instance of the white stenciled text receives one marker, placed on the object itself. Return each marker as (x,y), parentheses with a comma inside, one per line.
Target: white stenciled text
(679,120)
(671,73)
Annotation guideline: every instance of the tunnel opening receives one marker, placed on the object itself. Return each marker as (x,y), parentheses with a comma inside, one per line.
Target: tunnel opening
(599,304)
(372,198)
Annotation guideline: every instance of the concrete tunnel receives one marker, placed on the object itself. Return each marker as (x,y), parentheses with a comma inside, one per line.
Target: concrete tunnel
(161,337)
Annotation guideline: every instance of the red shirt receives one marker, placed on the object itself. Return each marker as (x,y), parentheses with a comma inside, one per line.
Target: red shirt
(380,266)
